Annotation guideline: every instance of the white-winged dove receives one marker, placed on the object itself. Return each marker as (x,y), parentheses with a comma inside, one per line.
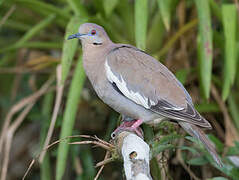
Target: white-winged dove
(138,86)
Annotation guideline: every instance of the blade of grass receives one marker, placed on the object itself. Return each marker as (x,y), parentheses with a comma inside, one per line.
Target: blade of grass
(44,8)
(216,10)
(111,125)
(229,15)
(205,45)
(42,45)
(109,6)
(37,28)
(126,14)
(207,107)
(6,59)
(87,163)
(165,11)
(155,169)
(7,15)
(78,8)
(98,5)
(69,117)
(36,44)
(176,36)
(30,33)
(46,111)
(59,94)
(233,108)
(69,47)
(141,21)
(156,34)
(16,25)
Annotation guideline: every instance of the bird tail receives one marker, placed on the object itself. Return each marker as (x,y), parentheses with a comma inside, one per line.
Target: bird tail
(196,132)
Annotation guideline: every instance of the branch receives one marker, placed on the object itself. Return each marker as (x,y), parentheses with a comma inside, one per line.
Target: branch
(135,154)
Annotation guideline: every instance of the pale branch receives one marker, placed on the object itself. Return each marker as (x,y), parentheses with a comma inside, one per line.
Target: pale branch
(135,154)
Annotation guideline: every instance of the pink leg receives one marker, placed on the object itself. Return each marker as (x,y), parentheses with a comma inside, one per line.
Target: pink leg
(129,126)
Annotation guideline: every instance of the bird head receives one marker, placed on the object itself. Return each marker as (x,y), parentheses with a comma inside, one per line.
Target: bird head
(91,34)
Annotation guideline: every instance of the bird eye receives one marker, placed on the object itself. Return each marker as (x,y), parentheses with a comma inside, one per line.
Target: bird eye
(93,32)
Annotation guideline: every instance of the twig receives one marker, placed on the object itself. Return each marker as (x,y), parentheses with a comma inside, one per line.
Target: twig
(162,163)
(93,142)
(7,15)
(10,134)
(104,142)
(104,162)
(59,94)
(18,106)
(63,139)
(231,133)
(107,154)
(176,36)
(28,169)
(22,54)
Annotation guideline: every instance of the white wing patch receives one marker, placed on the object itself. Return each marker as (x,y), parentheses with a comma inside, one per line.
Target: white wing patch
(121,84)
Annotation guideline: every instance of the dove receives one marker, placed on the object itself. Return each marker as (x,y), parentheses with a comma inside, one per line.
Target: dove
(138,86)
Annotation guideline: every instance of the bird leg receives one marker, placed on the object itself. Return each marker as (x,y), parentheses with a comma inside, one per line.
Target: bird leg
(129,126)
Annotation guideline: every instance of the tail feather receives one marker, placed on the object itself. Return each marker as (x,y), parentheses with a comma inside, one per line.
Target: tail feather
(196,132)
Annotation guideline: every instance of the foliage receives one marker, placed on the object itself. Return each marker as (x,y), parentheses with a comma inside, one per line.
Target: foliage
(197,40)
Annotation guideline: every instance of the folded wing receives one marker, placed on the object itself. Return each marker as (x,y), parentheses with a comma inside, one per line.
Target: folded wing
(148,83)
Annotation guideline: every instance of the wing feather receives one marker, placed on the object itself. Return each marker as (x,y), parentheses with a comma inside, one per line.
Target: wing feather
(148,83)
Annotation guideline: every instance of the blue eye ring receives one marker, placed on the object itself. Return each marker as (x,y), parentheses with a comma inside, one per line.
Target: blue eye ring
(93,32)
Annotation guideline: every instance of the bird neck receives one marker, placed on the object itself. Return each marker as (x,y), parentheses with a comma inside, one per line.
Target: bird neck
(94,58)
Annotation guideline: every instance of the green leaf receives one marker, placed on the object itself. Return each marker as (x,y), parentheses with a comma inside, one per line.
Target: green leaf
(78,8)
(207,107)
(229,15)
(31,33)
(155,170)
(234,110)
(217,142)
(237,144)
(156,34)
(205,48)
(199,161)
(126,13)
(192,150)
(158,148)
(16,25)
(230,171)
(46,112)
(169,138)
(182,75)
(109,6)
(141,21)
(36,29)
(216,10)
(192,139)
(69,46)
(165,11)
(73,99)
(233,151)
(44,8)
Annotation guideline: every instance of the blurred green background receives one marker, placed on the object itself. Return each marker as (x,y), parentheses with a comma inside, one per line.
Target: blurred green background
(198,40)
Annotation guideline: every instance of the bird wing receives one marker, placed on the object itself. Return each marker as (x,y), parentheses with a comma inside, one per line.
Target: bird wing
(148,83)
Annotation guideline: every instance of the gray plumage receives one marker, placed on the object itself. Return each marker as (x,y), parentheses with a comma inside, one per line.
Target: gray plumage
(136,85)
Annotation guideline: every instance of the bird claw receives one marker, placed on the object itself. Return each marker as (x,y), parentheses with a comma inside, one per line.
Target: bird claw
(132,126)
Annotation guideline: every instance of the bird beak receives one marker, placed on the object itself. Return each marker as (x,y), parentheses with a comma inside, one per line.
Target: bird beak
(73,36)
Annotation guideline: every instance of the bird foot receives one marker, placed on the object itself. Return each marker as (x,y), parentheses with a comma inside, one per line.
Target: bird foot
(132,126)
